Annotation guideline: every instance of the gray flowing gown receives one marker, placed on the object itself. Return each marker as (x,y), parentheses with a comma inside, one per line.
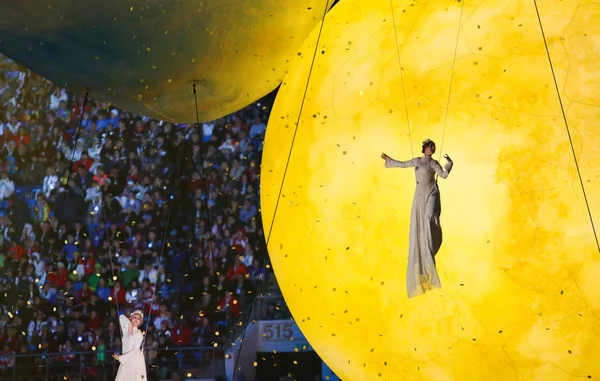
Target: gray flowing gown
(425,236)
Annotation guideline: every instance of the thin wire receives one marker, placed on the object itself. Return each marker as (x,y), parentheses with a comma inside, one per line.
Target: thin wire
(203,176)
(165,235)
(412,153)
(110,252)
(75,138)
(564,115)
(462,7)
(256,287)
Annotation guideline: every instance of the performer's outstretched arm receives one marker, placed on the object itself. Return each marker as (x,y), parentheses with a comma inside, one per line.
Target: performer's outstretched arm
(391,163)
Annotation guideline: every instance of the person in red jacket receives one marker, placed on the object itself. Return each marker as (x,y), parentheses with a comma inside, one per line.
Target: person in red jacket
(57,277)
(83,293)
(229,304)
(117,294)
(12,339)
(22,137)
(16,251)
(239,241)
(87,261)
(7,360)
(237,268)
(94,321)
(78,109)
(85,161)
(181,335)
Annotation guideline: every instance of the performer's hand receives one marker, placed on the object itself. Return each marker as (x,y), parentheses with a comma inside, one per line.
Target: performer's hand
(447,158)
(115,356)
(384,156)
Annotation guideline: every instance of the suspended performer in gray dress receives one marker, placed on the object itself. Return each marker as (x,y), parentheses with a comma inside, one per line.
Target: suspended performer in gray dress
(425,236)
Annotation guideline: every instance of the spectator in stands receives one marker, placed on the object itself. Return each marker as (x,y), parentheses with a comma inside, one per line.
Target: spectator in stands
(12,127)
(58,95)
(42,209)
(7,360)
(7,186)
(50,182)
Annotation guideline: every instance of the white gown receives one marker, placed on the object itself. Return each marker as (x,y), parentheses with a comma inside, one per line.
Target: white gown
(425,237)
(132,365)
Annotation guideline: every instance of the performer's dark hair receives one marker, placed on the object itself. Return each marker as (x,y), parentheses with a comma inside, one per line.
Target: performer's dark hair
(427,143)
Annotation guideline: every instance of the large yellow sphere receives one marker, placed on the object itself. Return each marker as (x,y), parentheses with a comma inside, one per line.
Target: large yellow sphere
(519,266)
(144,55)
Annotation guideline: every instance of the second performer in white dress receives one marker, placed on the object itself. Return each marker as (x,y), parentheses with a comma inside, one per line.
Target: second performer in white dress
(132,365)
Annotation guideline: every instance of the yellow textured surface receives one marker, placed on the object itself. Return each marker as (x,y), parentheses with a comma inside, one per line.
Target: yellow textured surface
(143,55)
(519,266)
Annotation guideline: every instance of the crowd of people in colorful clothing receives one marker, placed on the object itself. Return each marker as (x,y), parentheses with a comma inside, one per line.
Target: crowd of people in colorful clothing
(104,211)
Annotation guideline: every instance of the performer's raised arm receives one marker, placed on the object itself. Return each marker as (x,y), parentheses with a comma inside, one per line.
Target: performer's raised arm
(391,163)
(126,327)
(442,172)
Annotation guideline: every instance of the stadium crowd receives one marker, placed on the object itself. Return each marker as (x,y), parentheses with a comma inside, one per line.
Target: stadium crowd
(115,216)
